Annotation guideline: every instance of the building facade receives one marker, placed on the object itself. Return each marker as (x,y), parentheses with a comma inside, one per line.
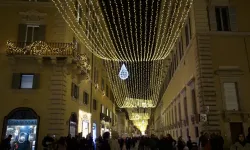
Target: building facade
(50,83)
(206,87)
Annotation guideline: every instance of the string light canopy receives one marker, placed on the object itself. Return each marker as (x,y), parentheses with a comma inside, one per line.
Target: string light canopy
(126,31)
(142,88)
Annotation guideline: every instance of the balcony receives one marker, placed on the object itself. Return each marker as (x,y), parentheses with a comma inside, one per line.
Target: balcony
(55,52)
(39,48)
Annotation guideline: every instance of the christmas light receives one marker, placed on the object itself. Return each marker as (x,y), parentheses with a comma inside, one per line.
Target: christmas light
(115,44)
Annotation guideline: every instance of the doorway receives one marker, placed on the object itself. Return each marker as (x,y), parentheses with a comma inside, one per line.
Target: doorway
(94,131)
(22,124)
(73,125)
(236,128)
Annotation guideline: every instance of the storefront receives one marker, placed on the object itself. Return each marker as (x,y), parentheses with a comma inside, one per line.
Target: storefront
(105,127)
(94,131)
(73,125)
(84,123)
(22,124)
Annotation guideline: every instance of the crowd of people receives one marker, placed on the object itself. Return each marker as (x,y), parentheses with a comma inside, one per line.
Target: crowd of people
(107,142)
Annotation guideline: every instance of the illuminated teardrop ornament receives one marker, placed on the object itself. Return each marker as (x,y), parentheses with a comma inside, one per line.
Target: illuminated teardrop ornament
(123,74)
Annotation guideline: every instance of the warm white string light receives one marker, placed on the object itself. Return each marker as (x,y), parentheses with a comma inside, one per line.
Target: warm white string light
(118,48)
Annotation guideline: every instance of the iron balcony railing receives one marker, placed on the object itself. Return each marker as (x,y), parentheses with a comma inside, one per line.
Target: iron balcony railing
(41,48)
(44,49)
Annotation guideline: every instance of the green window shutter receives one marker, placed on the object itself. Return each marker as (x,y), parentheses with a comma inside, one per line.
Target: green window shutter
(77,92)
(232,16)
(42,33)
(212,18)
(72,89)
(21,32)
(36,81)
(16,80)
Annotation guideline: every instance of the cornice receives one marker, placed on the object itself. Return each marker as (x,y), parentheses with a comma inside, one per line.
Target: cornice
(24,3)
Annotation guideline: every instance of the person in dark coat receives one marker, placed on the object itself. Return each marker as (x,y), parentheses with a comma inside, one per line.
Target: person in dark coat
(5,145)
(105,143)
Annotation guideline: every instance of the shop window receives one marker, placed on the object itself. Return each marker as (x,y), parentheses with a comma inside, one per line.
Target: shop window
(94,104)
(25,81)
(85,98)
(22,124)
(74,91)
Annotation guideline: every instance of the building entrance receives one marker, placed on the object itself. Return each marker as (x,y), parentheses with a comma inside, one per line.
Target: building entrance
(22,124)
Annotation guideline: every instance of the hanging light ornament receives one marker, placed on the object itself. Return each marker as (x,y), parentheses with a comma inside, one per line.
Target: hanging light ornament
(123,74)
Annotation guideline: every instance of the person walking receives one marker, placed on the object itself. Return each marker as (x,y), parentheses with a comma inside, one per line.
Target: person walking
(240,144)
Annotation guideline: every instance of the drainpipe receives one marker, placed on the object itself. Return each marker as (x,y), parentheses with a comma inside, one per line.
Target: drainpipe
(248,62)
(91,91)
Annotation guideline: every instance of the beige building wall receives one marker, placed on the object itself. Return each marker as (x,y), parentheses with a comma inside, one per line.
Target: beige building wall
(52,99)
(211,78)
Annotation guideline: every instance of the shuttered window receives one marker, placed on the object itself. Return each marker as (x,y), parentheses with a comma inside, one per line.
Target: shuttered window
(102,85)
(31,33)
(179,108)
(193,94)
(222,18)
(85,98)
(231,96)
(25,81)
(107,91)
(74,91)
(103,109)
(94,104)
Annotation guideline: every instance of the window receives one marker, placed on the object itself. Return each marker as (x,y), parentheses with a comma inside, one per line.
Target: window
(103,109)
(222,18)
(107,91)
(188,31)
(231,95)
(179,108)
(94,104)
(111,114)
(25,81)
(107,111)
(74,91)
(186,108)
(31,33)
(95,75)
(193,94)
(85,98)
(175,113)
(180,48)
(187,132)
(102,85)
(196,132)
(78,12)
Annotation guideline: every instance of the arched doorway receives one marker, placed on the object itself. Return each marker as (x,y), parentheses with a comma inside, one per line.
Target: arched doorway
(23,124)
(73,125)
